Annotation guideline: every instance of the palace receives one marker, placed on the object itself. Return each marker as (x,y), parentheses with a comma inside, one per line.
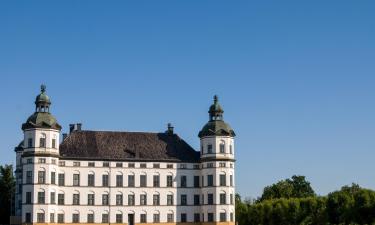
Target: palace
(123,177)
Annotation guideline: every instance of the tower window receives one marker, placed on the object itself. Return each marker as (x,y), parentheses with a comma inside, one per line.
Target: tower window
(223,217)
(42,142)
(222,148)
(209,149)
(30,142)
(230,149)
(54,143)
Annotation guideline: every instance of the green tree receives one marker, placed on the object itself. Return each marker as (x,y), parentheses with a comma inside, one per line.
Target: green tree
(7,187)
(297,187)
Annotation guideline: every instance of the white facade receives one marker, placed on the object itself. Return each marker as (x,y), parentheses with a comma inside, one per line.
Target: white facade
(54,189)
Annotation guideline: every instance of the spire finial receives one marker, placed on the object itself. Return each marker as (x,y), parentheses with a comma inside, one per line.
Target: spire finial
(216,99)
(43,88)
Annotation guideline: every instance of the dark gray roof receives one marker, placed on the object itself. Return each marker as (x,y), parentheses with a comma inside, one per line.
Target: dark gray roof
(137,146)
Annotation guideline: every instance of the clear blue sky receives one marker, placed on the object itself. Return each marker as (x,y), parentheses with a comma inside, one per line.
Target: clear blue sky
(296,78)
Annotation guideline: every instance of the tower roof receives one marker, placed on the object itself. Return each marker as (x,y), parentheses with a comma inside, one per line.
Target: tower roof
(42,118)
(216,125)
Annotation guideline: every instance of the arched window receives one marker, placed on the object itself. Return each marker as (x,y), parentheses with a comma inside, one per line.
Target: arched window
(75,216)
(156,217)
(40,216)
(143,217)
(222,146)
(170,216)
(90,216)
(119,217)
(223,216)
(42,140)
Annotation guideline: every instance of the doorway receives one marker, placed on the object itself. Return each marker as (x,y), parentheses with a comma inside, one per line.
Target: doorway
(130,219)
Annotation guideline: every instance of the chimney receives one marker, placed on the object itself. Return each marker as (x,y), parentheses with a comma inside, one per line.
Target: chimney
(79,126)
(65,135)
(170,129)
(71,128)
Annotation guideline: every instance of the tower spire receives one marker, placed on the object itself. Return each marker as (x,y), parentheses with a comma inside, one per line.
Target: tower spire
(42,101)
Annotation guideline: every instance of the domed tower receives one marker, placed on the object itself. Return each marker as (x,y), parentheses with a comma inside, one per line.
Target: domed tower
(41,130)
(217,158)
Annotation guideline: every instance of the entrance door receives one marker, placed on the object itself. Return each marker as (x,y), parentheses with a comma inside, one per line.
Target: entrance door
(130,219)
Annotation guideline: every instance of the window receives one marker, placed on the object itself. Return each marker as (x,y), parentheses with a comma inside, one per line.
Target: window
(75,218)
(41,197)
(30,142)
(169,199)
(223,199)
(90,218)
(231,180)
(223,179)
(105,199)
(42,160)
(196,217)
(197,167)
(182,166)
(156,181)
(75,179)
(156,199)
(143,165)
(183,217)
(28,217)
(231,217)
(143,180)
(169,166)
(29,161)
(29,177)
(42,142)
(210,180)
(28,197)
(61,163)
(222,164)
(105,180)
(61,179)
(230,149)
(183,181)
(143,218)
(105,218)
(91,164)
(231,199)
(60,199)
(76,164)
(75,199)
(209,149)
(131,165)
(53,161)
(90,199)
(156,218)
(222,148)
(210,217)
(40,217)
(53,143)
(131,199)
(119,199)
(53,177)
(169,181)
(196,181)
(143,199)
(202,150)
(170,217)
(223,217)
(53,198)
(41,177)
(119,182)
(118,218)
(51,217)
(210,199)
(183,200)
(196,199)
(131,181)
(60,218)
(210,165)
(118,164)
(156,165)
(91,180)
(105,164)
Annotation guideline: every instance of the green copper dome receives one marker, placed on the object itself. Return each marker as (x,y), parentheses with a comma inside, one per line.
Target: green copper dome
(216,125)
(42,118)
